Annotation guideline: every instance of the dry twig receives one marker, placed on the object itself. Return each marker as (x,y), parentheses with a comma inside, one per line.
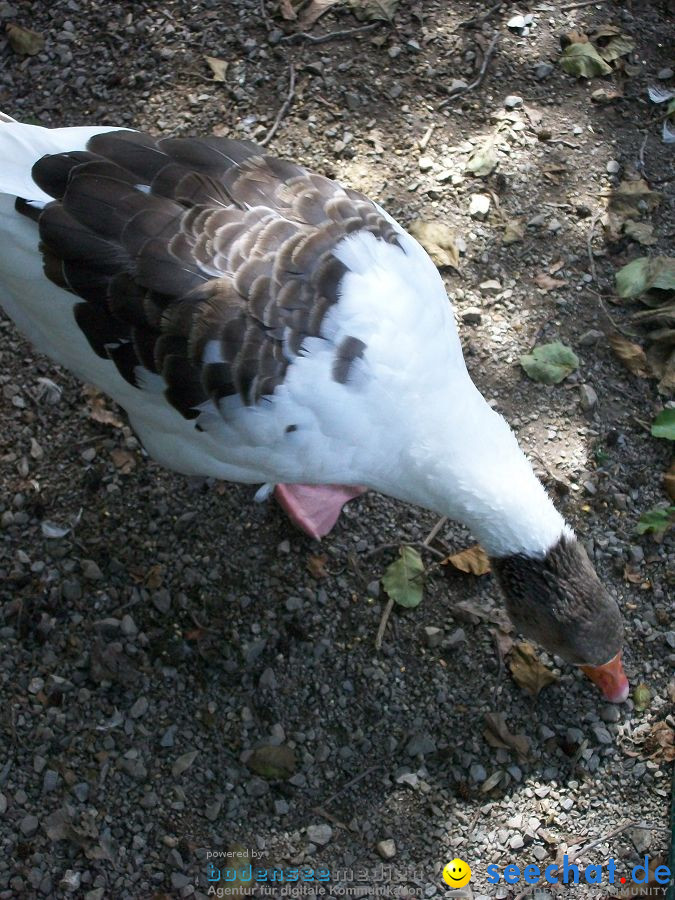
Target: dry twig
(478,20)
(352,782)
(589,247)
(570,6)
(383,624)
(284,108)
(331,36)
(481,75)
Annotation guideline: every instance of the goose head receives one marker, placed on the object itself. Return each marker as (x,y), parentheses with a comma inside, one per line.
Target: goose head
(558,601)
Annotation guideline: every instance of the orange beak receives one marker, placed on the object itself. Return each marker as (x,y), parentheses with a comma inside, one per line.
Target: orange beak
(610,678)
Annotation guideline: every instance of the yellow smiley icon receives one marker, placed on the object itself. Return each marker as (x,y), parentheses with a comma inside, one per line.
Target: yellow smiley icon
(457,873)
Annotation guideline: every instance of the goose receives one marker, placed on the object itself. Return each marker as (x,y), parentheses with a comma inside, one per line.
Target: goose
(261,323)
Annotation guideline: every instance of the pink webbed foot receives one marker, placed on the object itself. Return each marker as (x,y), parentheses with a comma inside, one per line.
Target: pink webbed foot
(315,508)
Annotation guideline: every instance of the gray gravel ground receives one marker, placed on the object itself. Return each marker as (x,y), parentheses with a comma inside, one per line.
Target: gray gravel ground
(179,626)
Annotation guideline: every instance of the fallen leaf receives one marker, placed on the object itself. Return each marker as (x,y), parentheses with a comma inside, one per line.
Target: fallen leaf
(317,565)
(617,46)
(660,742)
(661,356)
(218,67)
(24,41)
(183,762)
(646,273)
(642,697)
(550,363)
(631,576)
(482,160)
(97,409)
(123,460)
(314,11)
(528,672)
(272,762)
(583,61)
(154,578)
(656,520)
(631,198)
(631,355)
(374,10)
(438,239)
(546,283)
(403,579)
(669,481)
(642,232)
(474,561)
(513,231)
(663,425)
(497,734)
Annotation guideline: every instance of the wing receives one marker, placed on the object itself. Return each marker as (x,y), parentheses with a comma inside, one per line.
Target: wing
(205,262)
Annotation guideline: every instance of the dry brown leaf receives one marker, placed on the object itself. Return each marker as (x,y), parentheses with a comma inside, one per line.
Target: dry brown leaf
(556,266)
(528,672)
(474,561)
(631,355)
(316,565)
(218,67)
(314,11)
(97,409)
(669,481)
(24,41)
(123,460)
(497,734)
(438,240)
(660,743)
(154,577)
(546,283)
(642,232)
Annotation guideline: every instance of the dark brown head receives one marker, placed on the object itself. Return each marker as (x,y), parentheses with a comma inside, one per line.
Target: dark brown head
(558,601)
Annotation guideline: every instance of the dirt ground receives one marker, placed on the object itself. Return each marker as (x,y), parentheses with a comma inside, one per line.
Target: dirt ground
(179,626)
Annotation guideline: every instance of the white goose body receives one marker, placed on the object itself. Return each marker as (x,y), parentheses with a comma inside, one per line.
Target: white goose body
(408,420)
(261,323)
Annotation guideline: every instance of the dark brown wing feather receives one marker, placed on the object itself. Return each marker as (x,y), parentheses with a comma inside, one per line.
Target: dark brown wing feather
(176,243)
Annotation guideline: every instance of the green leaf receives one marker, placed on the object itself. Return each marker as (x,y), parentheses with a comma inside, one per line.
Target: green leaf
(646,273)
(583,61)
(663,425)
(642,697)
(403,579)
(619,45)
(550,363)
(656,520)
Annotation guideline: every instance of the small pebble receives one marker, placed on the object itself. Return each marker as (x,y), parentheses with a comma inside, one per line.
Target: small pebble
(319,834)
(386,849)
(513,101)
(613,166)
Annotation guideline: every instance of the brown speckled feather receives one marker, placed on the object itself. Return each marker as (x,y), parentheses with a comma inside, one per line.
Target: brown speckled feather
(178,243)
